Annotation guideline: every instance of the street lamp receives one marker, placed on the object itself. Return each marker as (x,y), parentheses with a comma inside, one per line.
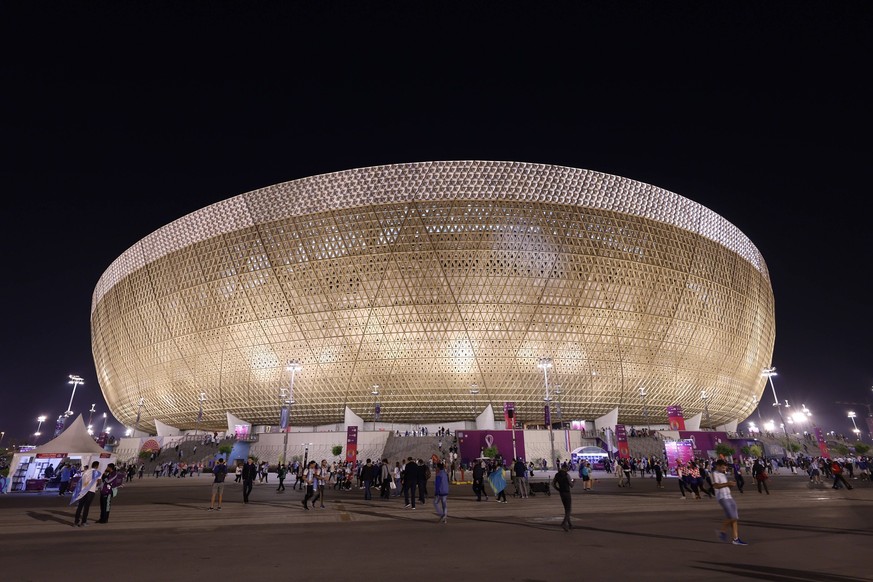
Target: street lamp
(545,364)
(755,404)
(705,397)
(75,381)
(769,373)
(104,422)
(856,430)
(201,399)
(643,394)
(293,367)
(376,408)
(39,420)
(558,393)
(138,414)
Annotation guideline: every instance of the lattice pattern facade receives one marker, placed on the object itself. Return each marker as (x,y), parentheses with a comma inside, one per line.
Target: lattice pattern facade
(428,278)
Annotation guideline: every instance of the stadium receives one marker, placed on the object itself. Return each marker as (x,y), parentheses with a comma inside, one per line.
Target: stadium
(424,292)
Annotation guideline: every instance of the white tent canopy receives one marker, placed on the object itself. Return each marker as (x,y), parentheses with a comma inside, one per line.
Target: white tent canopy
(73,443)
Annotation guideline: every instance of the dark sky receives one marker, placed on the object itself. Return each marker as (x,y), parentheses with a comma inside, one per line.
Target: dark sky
(118,120)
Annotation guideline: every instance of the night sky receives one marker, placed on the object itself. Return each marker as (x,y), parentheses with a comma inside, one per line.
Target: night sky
(118,120)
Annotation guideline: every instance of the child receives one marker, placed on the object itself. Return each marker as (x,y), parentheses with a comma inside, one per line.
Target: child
(723,495)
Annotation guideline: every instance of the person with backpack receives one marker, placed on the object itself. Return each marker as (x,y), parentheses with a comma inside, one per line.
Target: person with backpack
(837,472)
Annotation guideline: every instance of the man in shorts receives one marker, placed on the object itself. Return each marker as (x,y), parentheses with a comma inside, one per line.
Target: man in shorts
(723,494)
(219,472)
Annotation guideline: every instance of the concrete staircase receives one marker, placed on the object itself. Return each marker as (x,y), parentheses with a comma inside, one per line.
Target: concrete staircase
(398,448)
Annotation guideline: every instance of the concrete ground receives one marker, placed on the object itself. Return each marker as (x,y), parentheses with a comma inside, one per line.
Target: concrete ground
(161,529)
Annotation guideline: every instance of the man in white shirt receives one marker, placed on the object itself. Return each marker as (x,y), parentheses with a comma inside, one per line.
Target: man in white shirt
(723,494)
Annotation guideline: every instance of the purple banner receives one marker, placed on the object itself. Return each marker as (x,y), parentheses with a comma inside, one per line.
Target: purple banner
(621,441)
(471,443)
(352,444)
(676,418)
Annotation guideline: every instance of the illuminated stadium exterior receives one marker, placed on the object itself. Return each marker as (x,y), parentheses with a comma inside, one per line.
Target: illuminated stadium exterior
(426,279)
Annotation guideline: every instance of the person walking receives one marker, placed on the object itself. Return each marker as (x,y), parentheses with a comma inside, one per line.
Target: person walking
(423,478)
(759,473)
(281,473)
(367,478)
(219,472)
(479,481)
(385,471)
(66,475)
(659,473)
(730,526)
(84,493)
(249,474)
(410,481)
(519,478)
(497,478)
(837,472)
(441,493)
(112,480)
(309,477)
(562,483)
(238,473)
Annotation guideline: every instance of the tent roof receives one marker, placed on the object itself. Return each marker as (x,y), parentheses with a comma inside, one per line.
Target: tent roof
(75,439)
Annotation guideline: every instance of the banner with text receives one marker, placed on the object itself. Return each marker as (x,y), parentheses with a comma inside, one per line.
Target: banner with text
(352,444)
(675,418)
(621,439)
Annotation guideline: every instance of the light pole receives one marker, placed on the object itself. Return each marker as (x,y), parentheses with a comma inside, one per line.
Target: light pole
(755,403)
(293,367)
(545,364)
(557,392)
(104,422)
(769,373)
(474,390)
(39,420)
(91,416)
(201,399)
(643,394)
(376,408)
(138,413)
(705,397)
(856,430)
(75,381)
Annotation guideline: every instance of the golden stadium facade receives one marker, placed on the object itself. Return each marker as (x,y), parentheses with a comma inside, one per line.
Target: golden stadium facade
(426,279)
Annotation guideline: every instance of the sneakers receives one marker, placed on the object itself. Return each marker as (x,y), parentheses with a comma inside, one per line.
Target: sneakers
(305,506)
(218,508)
(722,537)
(739,542)
(407,506)
(211,509)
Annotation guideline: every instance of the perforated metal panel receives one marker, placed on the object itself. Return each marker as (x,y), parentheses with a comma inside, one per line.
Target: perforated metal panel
(428,278)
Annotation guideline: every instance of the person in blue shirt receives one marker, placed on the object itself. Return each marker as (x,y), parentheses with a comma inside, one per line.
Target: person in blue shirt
(441,493)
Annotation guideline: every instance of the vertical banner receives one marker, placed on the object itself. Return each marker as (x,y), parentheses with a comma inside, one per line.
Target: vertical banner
(547,415)
(352,444)
(283,420)
(675,418)
(378,411)
(509,414)
(822,444)
(621,437)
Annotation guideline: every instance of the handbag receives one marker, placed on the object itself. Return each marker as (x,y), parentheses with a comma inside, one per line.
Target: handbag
(392,484)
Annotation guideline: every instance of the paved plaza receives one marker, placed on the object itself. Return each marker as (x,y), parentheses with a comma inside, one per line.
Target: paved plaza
(161,529)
